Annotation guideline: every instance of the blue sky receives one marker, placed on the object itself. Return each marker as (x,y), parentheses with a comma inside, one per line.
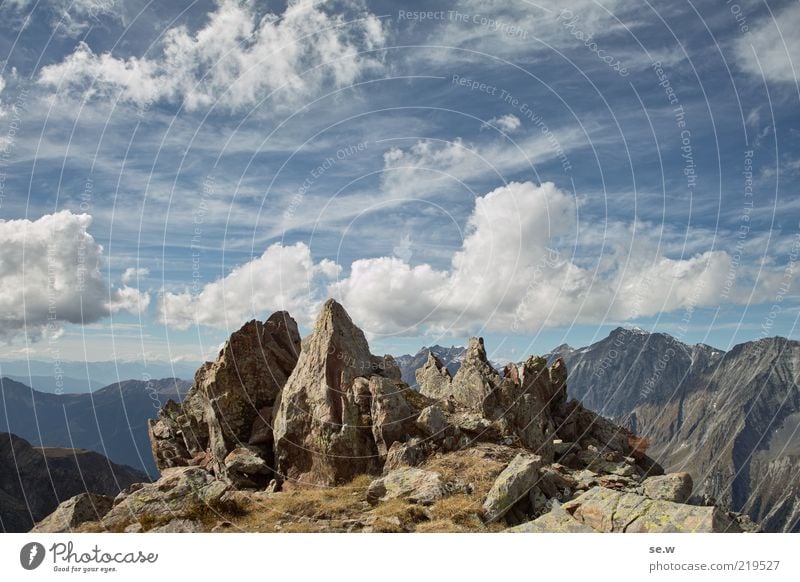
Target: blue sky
(536,173)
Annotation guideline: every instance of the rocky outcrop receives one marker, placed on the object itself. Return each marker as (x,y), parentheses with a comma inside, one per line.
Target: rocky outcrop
(605,510)
(416,485)
(434,378)
(225,407)
(181,492)
(35,480)
(74,512)
(345,445)
(515,482)
(675,487)
(322,427)
(476,380)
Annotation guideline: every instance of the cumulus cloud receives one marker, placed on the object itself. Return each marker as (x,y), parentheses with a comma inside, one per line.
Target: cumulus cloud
(772,47)
(512,274)
(132,274)
(50,274)
(235,60)
(281,278)
(508,123)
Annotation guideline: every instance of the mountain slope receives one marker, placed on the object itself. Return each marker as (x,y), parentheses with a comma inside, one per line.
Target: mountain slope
(33,481)
(111,421)
(730,419)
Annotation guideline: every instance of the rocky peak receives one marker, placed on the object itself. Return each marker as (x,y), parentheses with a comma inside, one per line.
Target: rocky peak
(476,379)
(321,426)
(434,378)
(220,410)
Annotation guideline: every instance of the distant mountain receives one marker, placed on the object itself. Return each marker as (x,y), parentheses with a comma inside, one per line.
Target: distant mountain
(731,419)
(87,376)
(33,481)
(60,385)
(111,421)
(451,357)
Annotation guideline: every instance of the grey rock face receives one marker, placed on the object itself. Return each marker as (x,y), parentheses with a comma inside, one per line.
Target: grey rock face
(75,511)
(322,429)
(229,396)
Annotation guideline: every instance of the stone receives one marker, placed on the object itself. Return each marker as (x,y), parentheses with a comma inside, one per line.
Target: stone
(393,416)
(180,492)
(321,426)
(433,423)
(408,454)
(416,485)
(179,526)
(73,512)
(675,487)
(476,379)
(605,510)
(434,378)
(245,467)
(228,395)
(555,521)
(513,483)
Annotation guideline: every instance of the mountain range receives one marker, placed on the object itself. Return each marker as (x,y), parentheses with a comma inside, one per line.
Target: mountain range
(64,377)
(111,421)
(731,419)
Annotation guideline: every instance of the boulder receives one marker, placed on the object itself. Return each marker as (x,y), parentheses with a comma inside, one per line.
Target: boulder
(245,467)
(322,428)
(434,378)
(179,525)
(408,454)
(513,484)
(675,487)
(75,511)
(228,395)
(433,423)
(416,485)
(180,492)
(605,510)
(555,521)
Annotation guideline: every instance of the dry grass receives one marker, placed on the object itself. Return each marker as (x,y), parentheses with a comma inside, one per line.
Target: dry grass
(307,509)
(479,466)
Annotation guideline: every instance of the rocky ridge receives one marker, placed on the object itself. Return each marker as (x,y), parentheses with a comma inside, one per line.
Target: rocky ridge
(276,435)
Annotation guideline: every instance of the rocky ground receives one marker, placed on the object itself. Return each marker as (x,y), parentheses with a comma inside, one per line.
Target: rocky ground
(322,436)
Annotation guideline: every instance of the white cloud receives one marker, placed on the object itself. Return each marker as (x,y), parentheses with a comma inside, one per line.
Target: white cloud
(69,17)
(772,47)
(508,123)
(2,87)
(281,278)
(512,274)
(50,274)
(129,299)
(235,60)
(132,274)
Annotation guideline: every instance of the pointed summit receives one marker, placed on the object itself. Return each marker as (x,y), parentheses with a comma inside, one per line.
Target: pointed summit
(322,418)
